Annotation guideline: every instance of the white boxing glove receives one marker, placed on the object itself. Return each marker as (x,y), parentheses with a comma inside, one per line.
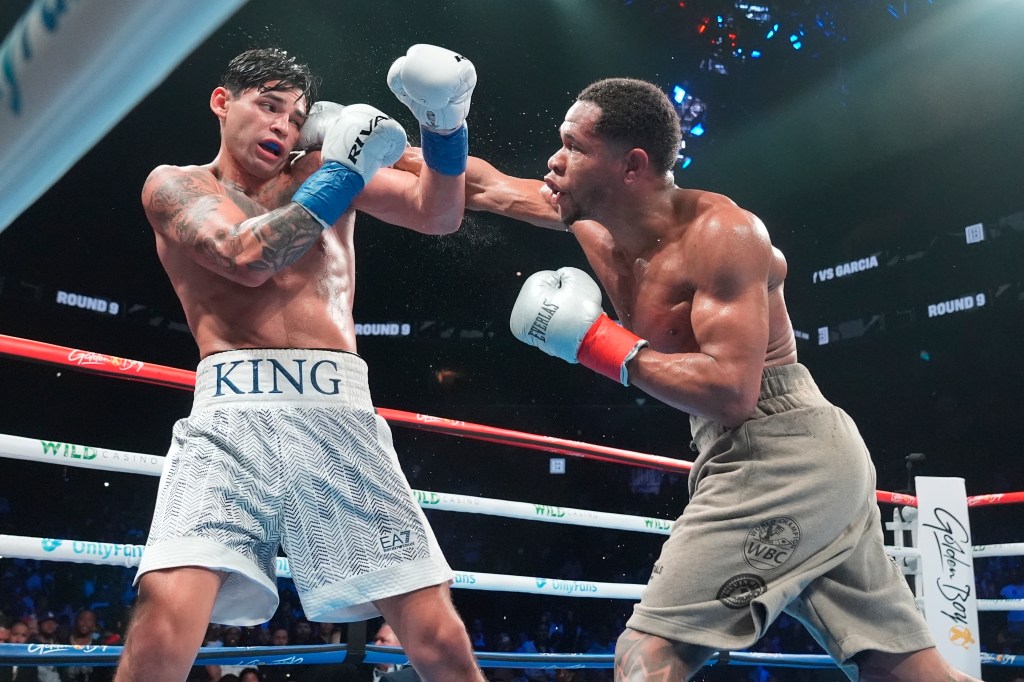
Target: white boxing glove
(319,118)
(559,311)
(357,143)
(365,139)
(436,84)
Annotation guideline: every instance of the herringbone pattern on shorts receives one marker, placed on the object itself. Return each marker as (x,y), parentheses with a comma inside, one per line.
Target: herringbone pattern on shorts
(325,480)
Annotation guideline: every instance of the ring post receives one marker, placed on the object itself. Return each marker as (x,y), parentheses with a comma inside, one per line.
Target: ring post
(947,570)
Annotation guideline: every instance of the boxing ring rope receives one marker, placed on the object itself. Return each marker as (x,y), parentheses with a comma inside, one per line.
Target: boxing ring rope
(129,555)
(89,457)
(119,461)
(67,654)
(161,375)
(135,370)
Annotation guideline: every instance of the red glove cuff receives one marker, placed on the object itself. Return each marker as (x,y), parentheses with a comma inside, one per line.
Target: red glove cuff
(607,347)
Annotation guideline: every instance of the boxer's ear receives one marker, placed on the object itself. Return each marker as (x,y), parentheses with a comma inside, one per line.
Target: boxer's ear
(219,99)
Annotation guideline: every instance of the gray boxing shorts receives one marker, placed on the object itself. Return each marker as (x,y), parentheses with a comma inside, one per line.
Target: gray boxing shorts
(782,517)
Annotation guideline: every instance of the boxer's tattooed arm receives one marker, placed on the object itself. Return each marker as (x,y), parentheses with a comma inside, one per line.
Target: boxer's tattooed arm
(184,207)
(173,196)
(284,235)
(182,204)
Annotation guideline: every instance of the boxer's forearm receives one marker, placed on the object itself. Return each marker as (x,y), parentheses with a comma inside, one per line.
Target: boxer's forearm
(488,189)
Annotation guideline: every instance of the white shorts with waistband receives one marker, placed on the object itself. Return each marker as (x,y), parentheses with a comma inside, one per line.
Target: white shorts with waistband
(283,448)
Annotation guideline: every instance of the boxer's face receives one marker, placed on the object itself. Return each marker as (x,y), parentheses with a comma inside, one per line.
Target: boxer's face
(585,169)
(260,129)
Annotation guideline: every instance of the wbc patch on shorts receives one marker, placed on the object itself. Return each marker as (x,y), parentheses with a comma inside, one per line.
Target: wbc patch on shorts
(771,543)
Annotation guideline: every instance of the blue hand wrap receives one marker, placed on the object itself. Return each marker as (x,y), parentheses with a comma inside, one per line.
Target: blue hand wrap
(446,154)
(328,192)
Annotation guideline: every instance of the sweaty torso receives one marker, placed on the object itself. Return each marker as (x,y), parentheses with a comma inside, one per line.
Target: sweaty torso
(652,295)
(306,305)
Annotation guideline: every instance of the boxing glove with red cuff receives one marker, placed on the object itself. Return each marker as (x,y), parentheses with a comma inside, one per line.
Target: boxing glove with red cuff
(559,311)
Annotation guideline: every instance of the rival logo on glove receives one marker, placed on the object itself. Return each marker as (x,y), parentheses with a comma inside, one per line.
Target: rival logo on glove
(357,146)
(539,328)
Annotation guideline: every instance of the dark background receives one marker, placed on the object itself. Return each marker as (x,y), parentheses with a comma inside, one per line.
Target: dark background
(890,131)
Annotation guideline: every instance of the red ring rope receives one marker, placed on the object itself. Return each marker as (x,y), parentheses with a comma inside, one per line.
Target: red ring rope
(161,375)
(135,370)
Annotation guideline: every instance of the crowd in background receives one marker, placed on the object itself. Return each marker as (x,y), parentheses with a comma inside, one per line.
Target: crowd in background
(63,603)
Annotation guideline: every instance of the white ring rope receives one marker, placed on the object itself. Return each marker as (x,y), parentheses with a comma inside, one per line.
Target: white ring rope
(118,554)
(91,457)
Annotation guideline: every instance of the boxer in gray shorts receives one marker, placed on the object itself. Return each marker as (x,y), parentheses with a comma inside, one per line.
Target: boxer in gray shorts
(783,512)
(781,517)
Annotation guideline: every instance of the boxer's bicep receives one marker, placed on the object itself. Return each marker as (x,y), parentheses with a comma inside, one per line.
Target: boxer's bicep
(192,212)
(430,203)
(729,316)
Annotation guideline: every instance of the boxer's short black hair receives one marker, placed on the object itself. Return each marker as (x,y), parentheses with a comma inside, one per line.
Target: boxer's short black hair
(254,69)
(638,114)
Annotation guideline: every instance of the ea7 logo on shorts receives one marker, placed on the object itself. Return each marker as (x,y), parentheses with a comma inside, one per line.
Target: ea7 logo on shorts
(739,590)
(771,543)
(397,540)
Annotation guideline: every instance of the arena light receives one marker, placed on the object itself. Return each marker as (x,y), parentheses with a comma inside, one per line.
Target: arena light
(678,94)
(754,11)
(697,130)
(691,112)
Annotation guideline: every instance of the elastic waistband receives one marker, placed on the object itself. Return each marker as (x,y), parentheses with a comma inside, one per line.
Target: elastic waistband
(281,376)
(783,388)
(786,380)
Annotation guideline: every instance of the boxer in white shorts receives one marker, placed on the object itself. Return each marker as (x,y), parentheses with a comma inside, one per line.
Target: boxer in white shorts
(282,445)
(783,502)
